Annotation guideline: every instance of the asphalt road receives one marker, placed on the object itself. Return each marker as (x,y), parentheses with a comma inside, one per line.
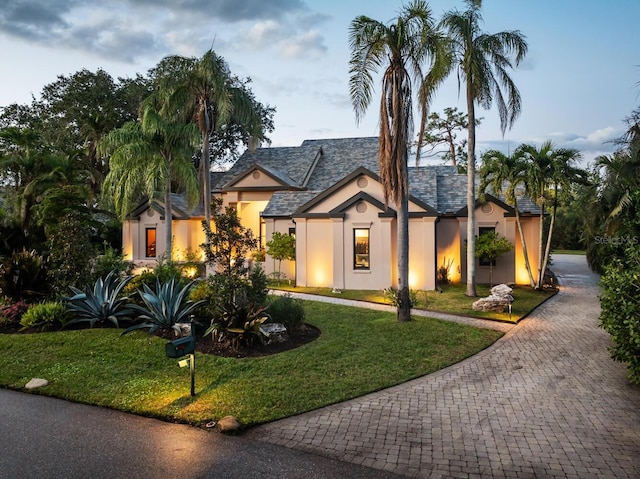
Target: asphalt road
(45,437)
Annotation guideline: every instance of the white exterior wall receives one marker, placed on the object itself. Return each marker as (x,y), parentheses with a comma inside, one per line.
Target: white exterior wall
(449,247)
(492,216)
(531,231)
(270,265)
(510,267)
(325,246)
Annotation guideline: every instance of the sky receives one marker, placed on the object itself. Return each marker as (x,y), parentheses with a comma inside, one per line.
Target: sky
(579,80)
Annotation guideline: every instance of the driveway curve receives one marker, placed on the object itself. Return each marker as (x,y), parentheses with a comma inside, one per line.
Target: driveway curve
(545,400)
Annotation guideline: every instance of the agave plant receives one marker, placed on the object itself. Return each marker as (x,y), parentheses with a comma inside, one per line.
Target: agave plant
(103,303)
(166,307)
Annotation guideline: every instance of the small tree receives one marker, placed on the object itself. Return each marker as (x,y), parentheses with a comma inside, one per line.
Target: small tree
(281,246)
(229,243)
(239,293)
(490,247)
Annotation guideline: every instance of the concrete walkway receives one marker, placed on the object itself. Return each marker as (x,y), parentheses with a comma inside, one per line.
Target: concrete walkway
(546,400)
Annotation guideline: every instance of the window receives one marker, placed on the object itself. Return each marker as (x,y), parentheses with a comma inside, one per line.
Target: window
(482,230)
(361,248)
(292,232)
(150,242)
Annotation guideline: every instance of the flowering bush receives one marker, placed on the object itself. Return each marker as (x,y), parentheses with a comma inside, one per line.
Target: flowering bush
(12,313)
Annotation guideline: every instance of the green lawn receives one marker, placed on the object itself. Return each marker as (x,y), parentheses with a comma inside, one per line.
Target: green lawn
(452,299)
(358,351)
(569,251)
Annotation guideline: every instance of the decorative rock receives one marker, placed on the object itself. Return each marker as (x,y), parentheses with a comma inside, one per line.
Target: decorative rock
(36,383)
(492,303)
(185,330)
(274,332)
(228,424)
(499,299)
(501,290)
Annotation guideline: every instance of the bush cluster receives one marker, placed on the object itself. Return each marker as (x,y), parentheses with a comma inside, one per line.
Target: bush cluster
(46,316)
(287,311)
(11,314)
(620,310)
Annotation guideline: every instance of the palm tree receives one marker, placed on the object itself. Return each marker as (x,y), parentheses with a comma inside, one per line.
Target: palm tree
(147,156)
(613,199)
(206,93)
(622,171)
(507,175)
(26,168)
(564,174)
(401,48)
(483,60)
(549,171)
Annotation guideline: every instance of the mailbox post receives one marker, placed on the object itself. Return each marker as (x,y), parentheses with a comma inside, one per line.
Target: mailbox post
(181,347)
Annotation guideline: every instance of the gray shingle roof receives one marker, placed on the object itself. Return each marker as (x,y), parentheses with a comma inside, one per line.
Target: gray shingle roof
(317,165)
(180,202)
(284,203)
(451,192)
(179,207)
(293,163)
(341,157)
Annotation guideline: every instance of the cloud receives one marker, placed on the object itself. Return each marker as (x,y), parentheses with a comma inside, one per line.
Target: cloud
(597,140)
(307,44)
(127,30)
(263,33)
(593,144)
(294,36)
(230,10)
(34,20)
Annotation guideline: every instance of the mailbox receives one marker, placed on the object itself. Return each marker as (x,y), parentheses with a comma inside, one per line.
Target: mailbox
(180,347)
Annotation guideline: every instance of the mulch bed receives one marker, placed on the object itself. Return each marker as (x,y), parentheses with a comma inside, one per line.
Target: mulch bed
(305,335)
(206,345)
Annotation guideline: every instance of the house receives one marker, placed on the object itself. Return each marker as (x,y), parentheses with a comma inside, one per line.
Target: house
(328,194)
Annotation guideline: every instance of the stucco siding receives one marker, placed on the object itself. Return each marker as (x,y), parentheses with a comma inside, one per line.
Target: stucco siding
(364,216)
(492,216)
(188,235)
(449,247)
(319,251)
(257,179)
(531,231)
(288,268)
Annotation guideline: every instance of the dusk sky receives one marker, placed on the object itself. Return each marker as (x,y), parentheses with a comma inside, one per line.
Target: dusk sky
(578,82)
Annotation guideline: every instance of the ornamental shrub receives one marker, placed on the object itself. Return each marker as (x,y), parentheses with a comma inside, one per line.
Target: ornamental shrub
(620,310)
(45,316)
(287,311)
(12,313)
(23,276)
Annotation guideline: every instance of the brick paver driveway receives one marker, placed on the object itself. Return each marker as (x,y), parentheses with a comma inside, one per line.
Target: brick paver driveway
(544,401)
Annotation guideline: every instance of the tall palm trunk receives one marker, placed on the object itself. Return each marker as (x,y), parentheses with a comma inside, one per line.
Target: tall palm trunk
(547,250)
(204,123)
(540,243)
(168,218)
(471,193)
(404,306)
(205,177)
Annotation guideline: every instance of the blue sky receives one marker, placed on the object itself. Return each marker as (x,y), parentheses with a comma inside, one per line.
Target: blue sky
(578,82)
